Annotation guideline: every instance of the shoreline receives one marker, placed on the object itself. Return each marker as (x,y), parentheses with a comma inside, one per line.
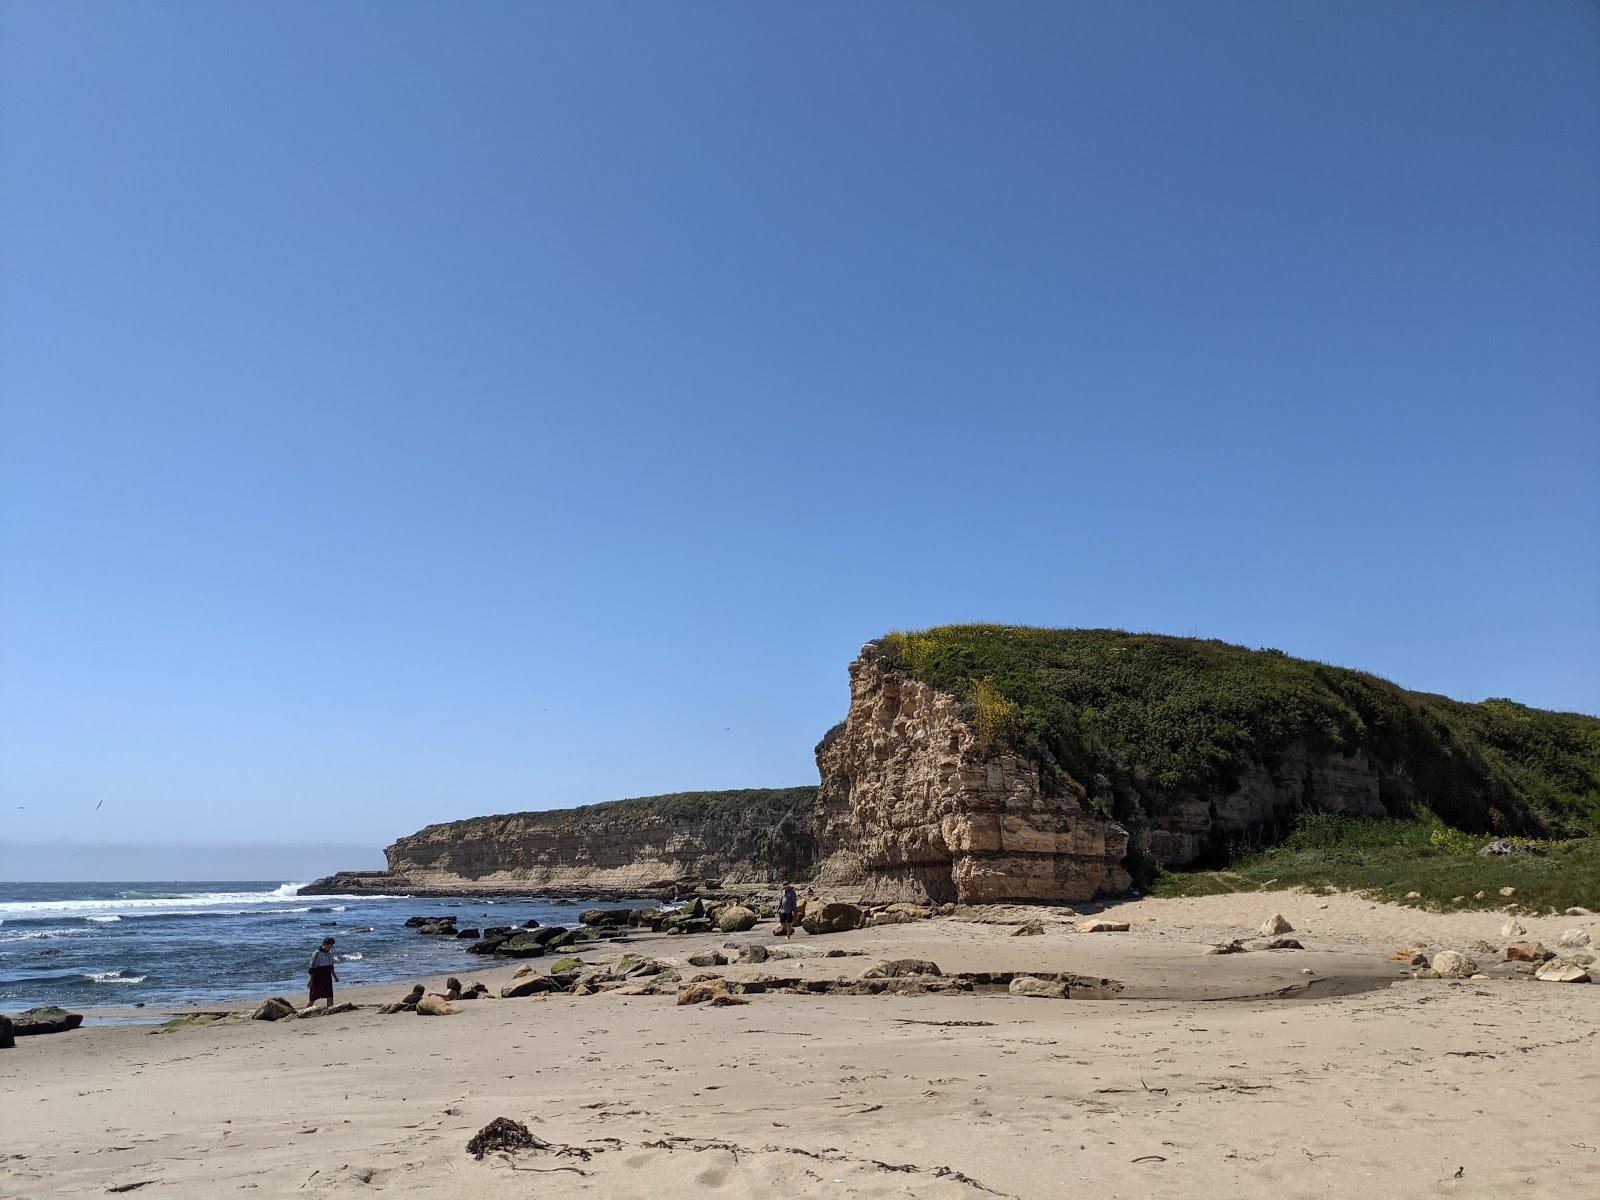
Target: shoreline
(1204,1078)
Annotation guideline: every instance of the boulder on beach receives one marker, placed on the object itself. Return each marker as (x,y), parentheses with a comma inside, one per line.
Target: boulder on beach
(703,991)
(1573,939)
(530,986)
(831,916)
(418,922)
(1513,928)
(275,1009)
(8,1035)
(48,1018)
(1527,952)
(1562,970)
(1452,964)
(469,933)
(1274,925)
(708,958)
(754,952)
(736,919)
(898,967)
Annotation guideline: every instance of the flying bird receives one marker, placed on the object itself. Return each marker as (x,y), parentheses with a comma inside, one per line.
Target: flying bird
(97,806)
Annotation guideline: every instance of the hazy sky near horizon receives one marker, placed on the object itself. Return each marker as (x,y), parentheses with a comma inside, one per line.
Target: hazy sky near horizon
(413,411)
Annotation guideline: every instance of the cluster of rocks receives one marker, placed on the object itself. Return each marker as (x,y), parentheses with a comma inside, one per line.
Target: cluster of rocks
(1573,960)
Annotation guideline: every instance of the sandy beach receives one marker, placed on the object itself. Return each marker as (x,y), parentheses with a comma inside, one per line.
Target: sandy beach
(1202,1079)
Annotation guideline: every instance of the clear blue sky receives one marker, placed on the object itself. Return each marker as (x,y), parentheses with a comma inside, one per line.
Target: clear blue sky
(410,411)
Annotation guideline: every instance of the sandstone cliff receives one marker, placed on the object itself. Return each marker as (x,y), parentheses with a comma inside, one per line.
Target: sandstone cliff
(644,845)
(911,808)
(989,763)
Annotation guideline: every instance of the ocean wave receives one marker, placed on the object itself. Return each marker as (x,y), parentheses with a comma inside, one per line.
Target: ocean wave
(113,977)
(354,957)
(273,902)
(133,903)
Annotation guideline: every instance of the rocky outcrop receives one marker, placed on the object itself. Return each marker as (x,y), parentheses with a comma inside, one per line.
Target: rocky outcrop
(911,808)
(1181,829)
(646,846)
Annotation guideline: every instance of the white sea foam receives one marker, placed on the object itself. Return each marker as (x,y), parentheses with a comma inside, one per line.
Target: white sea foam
(113,977)
(350,957)
(102,920)
(191,904)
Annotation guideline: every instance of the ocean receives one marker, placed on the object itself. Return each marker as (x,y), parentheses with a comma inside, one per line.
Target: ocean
(112,946)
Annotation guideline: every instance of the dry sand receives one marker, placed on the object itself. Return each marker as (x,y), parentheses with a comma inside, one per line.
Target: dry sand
(1181,1089)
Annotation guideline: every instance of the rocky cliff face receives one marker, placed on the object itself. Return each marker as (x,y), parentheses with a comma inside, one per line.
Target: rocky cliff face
(910,808)
(646,845)
(1178,832)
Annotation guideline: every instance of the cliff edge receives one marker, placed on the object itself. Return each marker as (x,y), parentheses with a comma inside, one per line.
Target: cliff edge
(644,845)
(986,763)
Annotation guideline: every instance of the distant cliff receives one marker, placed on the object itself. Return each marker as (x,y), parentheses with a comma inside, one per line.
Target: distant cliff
(982,763)
(645,844)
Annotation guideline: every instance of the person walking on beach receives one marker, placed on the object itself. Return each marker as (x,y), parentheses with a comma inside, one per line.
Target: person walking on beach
(788,905)
(322,973)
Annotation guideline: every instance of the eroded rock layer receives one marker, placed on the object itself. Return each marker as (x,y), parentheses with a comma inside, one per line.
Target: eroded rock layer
(911,808)
(641,846)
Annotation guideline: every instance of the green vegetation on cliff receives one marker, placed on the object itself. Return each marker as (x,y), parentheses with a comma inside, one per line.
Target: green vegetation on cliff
(735,808)
(1128,720)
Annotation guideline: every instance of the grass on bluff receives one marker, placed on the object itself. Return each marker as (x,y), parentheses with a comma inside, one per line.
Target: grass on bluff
(1386,859)
(1131,723)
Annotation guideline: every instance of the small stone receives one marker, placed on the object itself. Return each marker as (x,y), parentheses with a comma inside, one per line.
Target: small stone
(1480,975)
(1275,925)
(1413,895)
(1482,947)
(1513,928)
(1425,973)
(1040,989)
(1477,895)
(1100,926)
(1508,892)
(1573,939)
(1576,911)
(1032,929)
(1457,899)
(708,958)
(1233,947)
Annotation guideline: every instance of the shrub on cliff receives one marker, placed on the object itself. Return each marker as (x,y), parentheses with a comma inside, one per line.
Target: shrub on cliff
(1129,720)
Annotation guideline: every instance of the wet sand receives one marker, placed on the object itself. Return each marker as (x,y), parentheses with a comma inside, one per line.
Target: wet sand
(1211,1075)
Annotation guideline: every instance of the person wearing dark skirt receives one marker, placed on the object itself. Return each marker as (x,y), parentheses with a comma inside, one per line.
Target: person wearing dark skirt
(322,973)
